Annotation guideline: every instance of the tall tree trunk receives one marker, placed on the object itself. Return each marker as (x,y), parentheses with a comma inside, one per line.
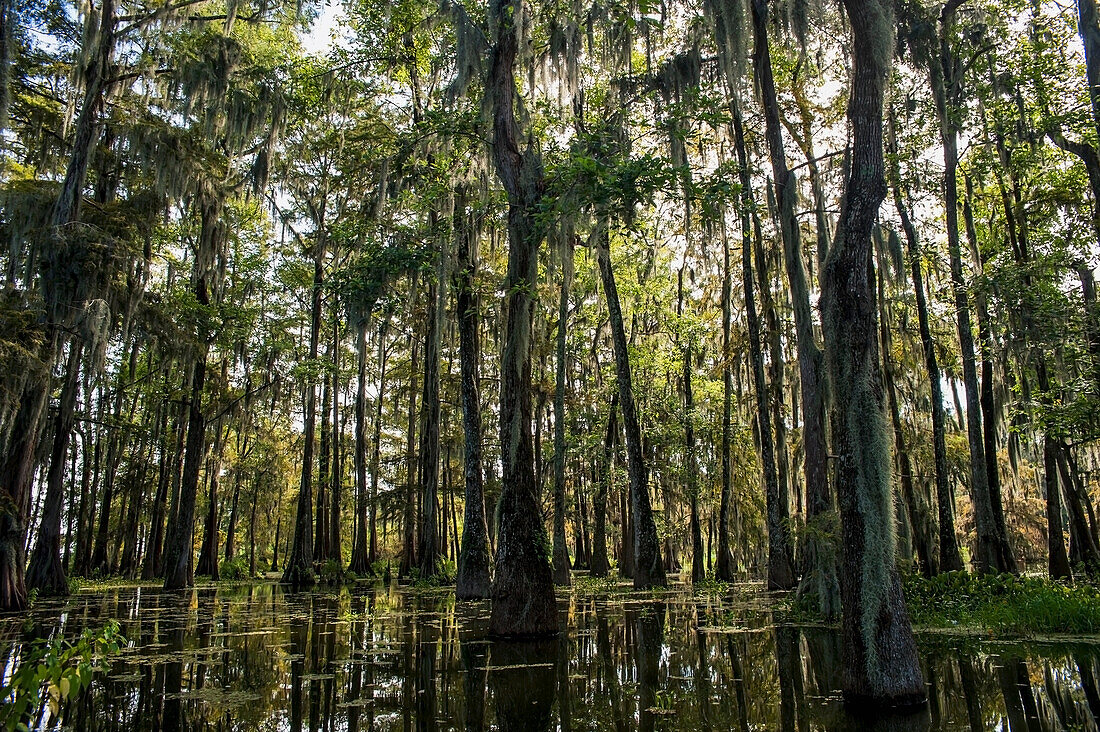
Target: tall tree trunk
(18,462)
(988,403)
(945,89)
(917,511)
(231,530)
(321,542)
(1081,537)
(365,544)
(698,571)
(376,446)
(472,580)
(178,549)
(335,549)
(207,563)
(154,546)
(428,551)
(600,564)
(113,437)
(780,561)
(818,557)
(45,572)
(648,569)
(881,667)
(523,589)
(949,557)
(408,550)
(561,550)
(1057,560)
(299,566)
(724,566)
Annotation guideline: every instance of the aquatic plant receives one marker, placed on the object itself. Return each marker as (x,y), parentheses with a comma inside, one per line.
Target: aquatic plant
(1003,604)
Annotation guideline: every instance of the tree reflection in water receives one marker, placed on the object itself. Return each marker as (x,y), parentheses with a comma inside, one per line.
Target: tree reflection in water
(391,658)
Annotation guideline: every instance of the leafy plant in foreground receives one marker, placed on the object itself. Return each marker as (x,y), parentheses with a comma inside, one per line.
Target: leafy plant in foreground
(60,668)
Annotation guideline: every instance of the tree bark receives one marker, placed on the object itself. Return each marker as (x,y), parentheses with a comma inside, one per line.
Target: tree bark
(820,563)
(698,570)
(321,542)
(949,557)
(299,567)
(600,565)
(917,510)
(560,549)
(473,580)
(881,666)
(1057,559)
(523,589)
(45,572)
(648,569)
(365,543)
(428,551)
(178,548)
(945,85)
(408,550)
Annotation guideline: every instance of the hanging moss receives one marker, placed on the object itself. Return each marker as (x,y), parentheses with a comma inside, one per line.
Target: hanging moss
(728,20)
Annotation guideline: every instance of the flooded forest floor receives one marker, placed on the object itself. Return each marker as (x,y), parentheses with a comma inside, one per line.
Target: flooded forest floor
(395,657)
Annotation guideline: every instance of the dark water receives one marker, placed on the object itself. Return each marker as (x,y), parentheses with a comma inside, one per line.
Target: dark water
(390,658)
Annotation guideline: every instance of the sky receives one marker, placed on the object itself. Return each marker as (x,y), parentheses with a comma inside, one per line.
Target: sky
(319,38)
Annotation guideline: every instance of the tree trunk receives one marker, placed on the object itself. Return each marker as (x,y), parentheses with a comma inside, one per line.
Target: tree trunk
(724,566)
(523,589)
(231,530)
(648,569)
(949,557)
(320,527)
(335,541)
(178,548)
(780,561)
(600,564)
(819,559)
(945,89)
(299,566)
(1057,560)
(561,550)
(16,475)
(45,572)
(207,563)
(988,403)
(917,511)
(154,546)
(472,580)
(365,538)
(428,551)
(409,524)
(376,447)
(881,667)
(698,571)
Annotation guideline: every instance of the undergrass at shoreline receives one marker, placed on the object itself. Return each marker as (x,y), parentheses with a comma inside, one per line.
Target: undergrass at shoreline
(1002,604)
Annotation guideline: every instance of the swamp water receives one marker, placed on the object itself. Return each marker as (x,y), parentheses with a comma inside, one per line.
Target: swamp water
(254,657)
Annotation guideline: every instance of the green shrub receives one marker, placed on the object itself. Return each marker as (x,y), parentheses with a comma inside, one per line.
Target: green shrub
(60,668)
(1003,604)
(332,573)
(234,569)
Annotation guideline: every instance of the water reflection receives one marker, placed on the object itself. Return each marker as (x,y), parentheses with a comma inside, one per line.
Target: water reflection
(389,658)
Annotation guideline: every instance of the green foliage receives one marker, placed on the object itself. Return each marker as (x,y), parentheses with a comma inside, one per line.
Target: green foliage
(332,573)
(609,585)
(1002,604)
(59,668)
(234,569)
